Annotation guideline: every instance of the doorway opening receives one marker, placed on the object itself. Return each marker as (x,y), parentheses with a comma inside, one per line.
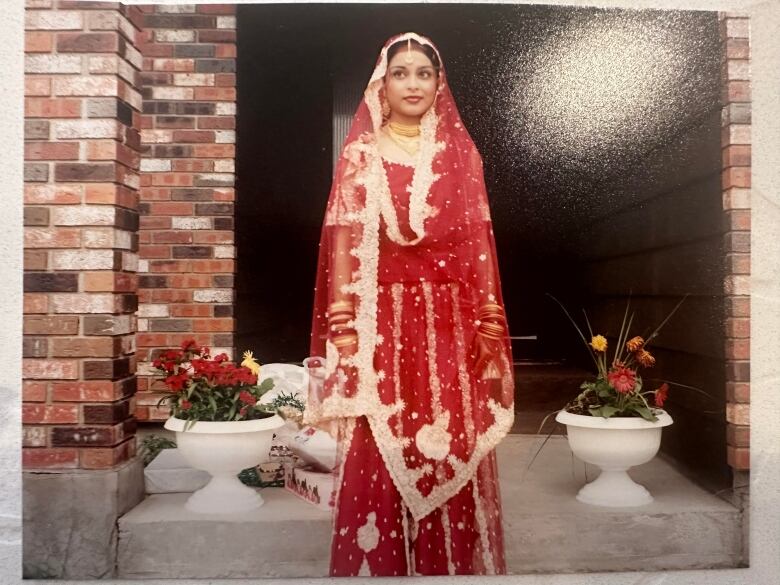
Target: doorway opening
(600,135)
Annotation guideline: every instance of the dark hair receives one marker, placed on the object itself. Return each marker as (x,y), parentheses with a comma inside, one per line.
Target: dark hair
(427,50)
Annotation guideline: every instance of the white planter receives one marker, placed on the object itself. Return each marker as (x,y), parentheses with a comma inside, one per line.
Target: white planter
(223,449)
(614,445)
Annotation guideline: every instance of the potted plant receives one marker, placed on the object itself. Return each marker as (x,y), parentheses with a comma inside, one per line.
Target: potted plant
(615,423)
(221,426)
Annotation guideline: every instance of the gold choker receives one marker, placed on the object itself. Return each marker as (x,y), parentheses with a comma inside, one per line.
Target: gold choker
(405,129)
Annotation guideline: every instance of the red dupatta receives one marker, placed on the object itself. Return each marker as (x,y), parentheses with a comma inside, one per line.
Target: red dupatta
(430,454)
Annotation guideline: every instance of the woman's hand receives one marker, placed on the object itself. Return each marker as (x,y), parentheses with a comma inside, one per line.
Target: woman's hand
(483,351)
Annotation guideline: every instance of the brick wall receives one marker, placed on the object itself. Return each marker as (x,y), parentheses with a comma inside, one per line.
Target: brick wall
(82,147)
(187,192)
(736,204)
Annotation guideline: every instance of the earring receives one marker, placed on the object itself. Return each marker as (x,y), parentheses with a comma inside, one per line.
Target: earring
(385,107)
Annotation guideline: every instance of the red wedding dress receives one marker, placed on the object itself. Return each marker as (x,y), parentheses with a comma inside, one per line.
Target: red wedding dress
(417,485)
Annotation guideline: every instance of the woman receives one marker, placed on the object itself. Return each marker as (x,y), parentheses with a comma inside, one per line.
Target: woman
(418,384)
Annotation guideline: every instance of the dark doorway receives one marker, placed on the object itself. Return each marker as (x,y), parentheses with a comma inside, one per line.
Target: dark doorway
(599,131)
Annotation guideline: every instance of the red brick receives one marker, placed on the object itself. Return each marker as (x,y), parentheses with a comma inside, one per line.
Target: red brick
(738,48)
(213,266)
(178,65)
(193,166)
(50,369)
(737,155)
(738,457)
(166,266)
(51,151)
(196,310)
(172,237)
(738,392)
(214,237)
(49,458)
(85,347)
(36,303)
(84,391)
(37,86)
(36,260)
(147,251)
(49,414)
(38,42)
(52,108)
(34,391)
(734,91)
(738,435)
(52,194)
(739,328)
(213,324)
(736,177)
(227,9)
(215,94)
(172,179)
(189,281)
(171,208)
(52,237)
(189,136)
(105,458)
(81,42)
(171,296)
(217,122)
(214,151)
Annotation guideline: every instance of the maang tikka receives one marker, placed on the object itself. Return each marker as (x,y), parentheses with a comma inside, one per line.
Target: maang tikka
(409,59)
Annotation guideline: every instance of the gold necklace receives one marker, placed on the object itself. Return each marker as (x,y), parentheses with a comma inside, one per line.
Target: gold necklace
(409,144)
(405,129)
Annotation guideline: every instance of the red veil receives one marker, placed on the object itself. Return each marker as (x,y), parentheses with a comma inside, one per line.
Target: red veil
(427,266)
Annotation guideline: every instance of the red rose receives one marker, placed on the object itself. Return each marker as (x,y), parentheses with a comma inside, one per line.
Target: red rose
(222,357)
(185,405)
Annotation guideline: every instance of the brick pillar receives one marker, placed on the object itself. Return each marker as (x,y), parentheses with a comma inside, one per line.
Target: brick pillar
(82,145)
(735,55)
(82,154)
(187,184)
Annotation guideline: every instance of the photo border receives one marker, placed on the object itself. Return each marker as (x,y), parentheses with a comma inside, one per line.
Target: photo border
(764,512)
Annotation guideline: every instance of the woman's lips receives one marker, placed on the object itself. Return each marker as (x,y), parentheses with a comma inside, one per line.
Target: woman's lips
(413,100)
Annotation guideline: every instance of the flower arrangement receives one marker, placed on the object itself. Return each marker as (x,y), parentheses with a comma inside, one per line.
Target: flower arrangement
(205,388)
(618,390)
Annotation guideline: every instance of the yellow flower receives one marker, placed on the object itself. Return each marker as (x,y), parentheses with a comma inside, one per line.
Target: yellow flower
(599,343)
(635,344)
(249,362)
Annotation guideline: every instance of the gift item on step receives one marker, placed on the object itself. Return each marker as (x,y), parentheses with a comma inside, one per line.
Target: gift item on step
(270,474)
(317,448)
(315,487)
(288,379)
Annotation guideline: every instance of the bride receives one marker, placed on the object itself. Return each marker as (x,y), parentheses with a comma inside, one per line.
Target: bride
(408,311)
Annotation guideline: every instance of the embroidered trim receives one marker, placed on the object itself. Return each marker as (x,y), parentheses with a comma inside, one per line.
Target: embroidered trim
(479,512)
(463,376)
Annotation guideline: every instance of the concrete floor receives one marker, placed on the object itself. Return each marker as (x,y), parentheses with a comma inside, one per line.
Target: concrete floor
(546,529)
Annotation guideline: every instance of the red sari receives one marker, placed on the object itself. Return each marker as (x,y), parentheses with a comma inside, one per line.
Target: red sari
(417,426)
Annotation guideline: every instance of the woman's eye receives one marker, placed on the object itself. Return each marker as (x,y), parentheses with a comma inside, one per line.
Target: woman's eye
(425,74)
(398,74)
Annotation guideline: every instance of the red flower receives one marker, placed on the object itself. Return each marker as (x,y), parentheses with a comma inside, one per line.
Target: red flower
(188,343)
(242,412)
(185,405)
(176,382)
(622,379)
(661,394)
(222,357)
(172,354)
(247,398)
(157,363)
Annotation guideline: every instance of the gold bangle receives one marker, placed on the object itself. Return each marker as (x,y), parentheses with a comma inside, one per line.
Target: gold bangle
(345,340)
(341,306)
(491,327)
(489,336)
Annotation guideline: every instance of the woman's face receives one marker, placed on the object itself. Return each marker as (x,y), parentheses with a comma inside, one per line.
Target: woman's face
(410,87)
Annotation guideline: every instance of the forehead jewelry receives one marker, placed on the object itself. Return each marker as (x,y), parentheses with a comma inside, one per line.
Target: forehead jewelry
(409,59)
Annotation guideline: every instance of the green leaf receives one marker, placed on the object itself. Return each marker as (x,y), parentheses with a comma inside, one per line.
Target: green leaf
(646,413)
(232,411)
(266,385)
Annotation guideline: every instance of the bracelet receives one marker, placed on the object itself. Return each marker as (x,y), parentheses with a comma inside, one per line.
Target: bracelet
(345,340)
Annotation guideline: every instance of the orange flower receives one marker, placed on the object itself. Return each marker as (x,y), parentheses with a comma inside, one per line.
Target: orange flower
(635,344)
(645,358)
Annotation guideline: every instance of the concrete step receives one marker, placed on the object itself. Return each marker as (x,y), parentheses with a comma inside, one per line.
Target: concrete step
(546,529)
